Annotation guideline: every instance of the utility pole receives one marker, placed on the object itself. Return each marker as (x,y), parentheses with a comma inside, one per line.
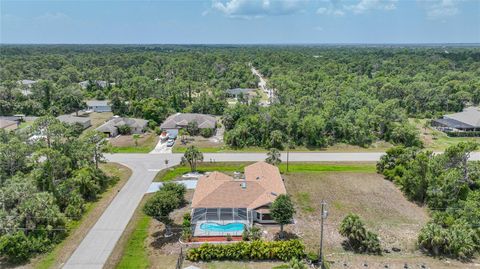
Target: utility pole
(288,151)
(323,215)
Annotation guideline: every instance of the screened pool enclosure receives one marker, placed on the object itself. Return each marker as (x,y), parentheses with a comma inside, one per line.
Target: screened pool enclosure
(219,221)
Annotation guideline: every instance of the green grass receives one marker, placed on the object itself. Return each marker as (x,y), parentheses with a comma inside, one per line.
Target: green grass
(325,167)
(25,124)
(179,170)
(135,254)
(304,201)
(131,149)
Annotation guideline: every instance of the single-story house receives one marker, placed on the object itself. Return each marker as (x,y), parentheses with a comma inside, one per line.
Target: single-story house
(137,126)
(178,121)
(8,125)
(235,93)
(70,119)
(99,83)
(220,199)
(466,121)
(99,106)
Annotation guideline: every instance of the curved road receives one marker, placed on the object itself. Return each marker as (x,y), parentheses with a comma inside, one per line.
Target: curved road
(96,247)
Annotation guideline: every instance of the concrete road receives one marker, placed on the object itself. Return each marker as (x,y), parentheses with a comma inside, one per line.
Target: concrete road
(95,248)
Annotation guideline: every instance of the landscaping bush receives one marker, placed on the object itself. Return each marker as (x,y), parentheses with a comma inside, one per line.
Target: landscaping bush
(256,250)
(124,130)
(250,234)
(358,238)
(206,132)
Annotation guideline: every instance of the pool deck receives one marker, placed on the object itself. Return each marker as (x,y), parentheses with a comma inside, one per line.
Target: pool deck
(200,232)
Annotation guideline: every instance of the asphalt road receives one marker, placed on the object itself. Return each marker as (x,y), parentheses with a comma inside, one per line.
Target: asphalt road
(96,247)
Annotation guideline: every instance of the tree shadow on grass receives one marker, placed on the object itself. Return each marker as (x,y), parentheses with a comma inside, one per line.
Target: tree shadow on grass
(160,239)
(285,236)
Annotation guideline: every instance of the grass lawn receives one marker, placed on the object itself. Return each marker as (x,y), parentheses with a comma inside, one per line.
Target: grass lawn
(135,255)
(177,171)
(79,229)
(126,143)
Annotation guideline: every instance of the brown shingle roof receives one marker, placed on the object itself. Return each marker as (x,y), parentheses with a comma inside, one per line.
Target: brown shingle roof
(263,184)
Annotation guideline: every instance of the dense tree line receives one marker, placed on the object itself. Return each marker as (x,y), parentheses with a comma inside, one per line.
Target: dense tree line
(47,174)
(449,185)
(323,95)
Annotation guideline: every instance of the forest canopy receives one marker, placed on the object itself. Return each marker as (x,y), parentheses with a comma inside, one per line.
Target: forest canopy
(323,94)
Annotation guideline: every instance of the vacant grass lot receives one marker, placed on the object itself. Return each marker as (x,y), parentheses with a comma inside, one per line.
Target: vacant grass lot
(126,143)
(79,229)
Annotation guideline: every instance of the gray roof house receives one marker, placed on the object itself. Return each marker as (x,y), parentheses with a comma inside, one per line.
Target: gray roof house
(70,119)
(99,83)
(237,91)
(99,106)
(467,120)
(181,120)
(110,127)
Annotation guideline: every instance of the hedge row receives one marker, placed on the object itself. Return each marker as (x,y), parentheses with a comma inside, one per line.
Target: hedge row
(464,134)
(255,250)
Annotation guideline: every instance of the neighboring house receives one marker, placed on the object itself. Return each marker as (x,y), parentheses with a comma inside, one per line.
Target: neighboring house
(99,83)
(235,93)
(466,121)
(178,121)
(137,126)
(70,119)
(8,125)
(98,106)
(26,86)
(221,199)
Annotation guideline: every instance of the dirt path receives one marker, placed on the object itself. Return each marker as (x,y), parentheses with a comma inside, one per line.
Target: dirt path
(68,246)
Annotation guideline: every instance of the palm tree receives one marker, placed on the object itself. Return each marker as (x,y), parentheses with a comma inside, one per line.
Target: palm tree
(273,157)
(192,156)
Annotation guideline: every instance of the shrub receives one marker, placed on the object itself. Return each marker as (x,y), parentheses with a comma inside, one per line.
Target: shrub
(250,234)
(358,238)
(206,132)
(124,130)
(256,250)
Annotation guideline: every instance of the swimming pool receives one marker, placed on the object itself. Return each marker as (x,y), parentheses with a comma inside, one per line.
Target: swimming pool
(216,227)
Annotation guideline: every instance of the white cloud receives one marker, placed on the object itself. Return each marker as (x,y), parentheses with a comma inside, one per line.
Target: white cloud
(442,8)
(340,8)
(257,8)
(49,17)
(365,5)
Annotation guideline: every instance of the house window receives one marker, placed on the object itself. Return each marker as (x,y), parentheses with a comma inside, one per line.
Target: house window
(259,215)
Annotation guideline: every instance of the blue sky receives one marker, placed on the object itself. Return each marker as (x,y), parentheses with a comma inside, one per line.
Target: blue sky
(240,21)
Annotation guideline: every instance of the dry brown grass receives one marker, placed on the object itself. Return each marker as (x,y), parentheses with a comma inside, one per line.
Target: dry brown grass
(145,140)
(380,204)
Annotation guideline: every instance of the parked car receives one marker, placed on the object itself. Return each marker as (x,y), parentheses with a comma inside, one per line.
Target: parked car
(170,143)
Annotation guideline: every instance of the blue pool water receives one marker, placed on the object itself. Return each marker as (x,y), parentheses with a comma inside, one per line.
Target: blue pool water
(215,227)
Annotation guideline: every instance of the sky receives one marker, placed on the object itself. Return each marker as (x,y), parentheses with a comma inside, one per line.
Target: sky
(239,21)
